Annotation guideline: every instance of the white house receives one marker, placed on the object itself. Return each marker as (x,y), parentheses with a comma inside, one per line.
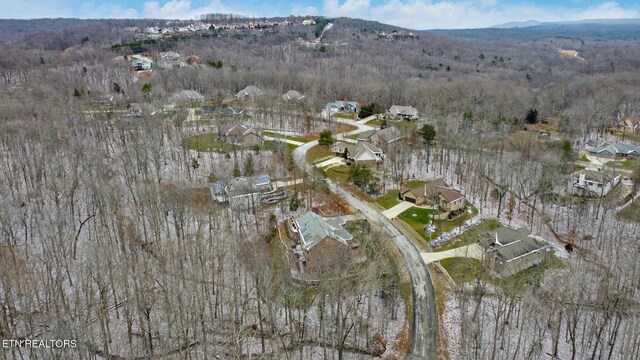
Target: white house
(592,183)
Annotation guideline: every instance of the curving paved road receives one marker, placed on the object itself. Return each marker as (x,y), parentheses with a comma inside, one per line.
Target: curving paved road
(423,344)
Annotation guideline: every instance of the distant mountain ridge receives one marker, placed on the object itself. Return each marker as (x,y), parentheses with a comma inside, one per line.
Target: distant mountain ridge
(529,23)
(532,30)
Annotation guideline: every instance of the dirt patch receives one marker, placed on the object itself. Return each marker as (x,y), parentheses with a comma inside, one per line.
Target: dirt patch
(572,54)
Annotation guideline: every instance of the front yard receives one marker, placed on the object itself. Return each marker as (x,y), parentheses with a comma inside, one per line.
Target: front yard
(470,236)
(319,153)
(417,218)
(207,142)
(389,200)
(623,164)
(631,212)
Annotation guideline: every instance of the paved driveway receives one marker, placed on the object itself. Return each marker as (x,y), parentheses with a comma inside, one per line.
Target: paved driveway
(398,209)
(333,161)
(469,251)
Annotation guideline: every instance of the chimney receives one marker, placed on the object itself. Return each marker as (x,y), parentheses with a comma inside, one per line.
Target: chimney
(581,179)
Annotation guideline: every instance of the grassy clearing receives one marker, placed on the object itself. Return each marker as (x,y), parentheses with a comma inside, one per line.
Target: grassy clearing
(470,236)
(288,137)
(389,200)
(463,269)
(346,115)
(318,153)
(340,174)
(631,212)
(207,142)
(376,123)
(271,145)
(584,158)
(624,135)
(623,164)
(415,183)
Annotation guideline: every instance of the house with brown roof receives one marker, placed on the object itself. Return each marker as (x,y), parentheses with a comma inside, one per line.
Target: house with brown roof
(631,124)
(244,135)
(436,193)
(509,251)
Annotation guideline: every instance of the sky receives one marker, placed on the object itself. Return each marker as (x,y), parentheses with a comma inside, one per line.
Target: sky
(412,14)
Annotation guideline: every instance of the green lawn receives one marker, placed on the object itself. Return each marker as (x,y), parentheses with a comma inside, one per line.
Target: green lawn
(417,222)
(466,269)
(463,269)
(276,135)
(376,123)
(631,212)
(415,183)
(318,153)
(339,173)
(470,236)
(346,115)
(442,226)
(584,158)
(623,164)
(271,144)
(207,142)
(389,200)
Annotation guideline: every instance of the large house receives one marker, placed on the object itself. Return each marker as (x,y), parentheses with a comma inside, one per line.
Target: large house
(292,95)
(170,60)
(313,228)
(249,92)
(322,244)
(592,183)
(244,135)
(402,112)
(617,150)
(436,193)
(383,137)
(509,251)
(363,154)
(631,124)
(340,106)
(186,96)
(246,192)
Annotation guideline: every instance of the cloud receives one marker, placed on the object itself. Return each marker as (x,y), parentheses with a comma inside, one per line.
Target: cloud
(304,10)
(413,14)
(447,14)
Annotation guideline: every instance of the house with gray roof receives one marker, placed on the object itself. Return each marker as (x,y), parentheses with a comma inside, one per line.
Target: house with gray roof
(364,153)
(292,95)
(243,193)
(617,150)
(592,183)
(403,112)
(186,96)
(386,136)
(509,251)
(313,229)
(340,106)
(250,91)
